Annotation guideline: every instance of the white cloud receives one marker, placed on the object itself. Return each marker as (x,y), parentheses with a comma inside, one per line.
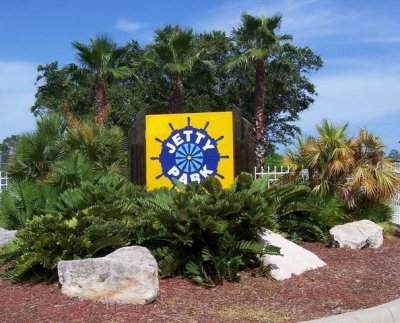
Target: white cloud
(355,97)
(308,19)
(384,39)
(360,81)
(17,92)
(312,21)
(128,25)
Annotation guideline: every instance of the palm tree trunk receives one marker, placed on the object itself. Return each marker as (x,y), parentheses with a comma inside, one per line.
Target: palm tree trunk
(101,100)
(259,135)
(177,88)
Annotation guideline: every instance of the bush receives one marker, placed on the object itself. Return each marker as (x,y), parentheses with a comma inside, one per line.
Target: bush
(71,203)
(24,199)
(353,168)
(376,211)
(55,158)
(202,232)
(209,234)
(90,221)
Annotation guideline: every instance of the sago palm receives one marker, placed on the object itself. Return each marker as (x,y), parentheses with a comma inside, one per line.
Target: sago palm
(258,39)
(101,57)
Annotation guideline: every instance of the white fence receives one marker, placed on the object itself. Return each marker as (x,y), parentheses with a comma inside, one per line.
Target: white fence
(396,209)
(274,173)
(396,202)
(3,180)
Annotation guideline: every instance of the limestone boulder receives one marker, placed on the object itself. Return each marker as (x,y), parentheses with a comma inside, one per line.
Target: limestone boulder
(129,275)
(6,236)
(294,260)
(357,235)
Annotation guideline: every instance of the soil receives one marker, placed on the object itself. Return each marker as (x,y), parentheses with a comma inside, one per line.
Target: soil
(353,279)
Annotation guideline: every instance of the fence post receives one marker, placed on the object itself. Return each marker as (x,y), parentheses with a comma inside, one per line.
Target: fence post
(3,180)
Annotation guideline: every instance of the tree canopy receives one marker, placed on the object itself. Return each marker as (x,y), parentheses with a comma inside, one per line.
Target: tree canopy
(207,87)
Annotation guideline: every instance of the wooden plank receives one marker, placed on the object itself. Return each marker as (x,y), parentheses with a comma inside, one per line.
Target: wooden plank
(243,143)
(137,150)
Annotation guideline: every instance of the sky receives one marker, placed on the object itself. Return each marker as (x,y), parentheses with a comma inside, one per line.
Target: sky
(359,42)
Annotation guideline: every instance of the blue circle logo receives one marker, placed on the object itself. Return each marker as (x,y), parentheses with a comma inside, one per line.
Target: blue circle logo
(189,155)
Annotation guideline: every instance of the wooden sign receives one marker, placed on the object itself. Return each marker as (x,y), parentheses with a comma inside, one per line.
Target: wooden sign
(189,147)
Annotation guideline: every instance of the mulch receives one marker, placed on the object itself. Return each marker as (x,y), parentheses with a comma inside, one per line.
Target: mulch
(353,279)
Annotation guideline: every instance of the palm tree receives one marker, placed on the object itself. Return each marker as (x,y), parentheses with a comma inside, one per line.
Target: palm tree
(258,40)
(36,151)
(101,58)
(374,177)
(355,168)
(175,51)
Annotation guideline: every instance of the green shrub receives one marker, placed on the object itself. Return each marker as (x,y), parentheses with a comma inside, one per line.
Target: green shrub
(90,221)
(202,231)
(22,200)
(376,211)
(36,151)
(304,217)
(209,233)
(55,158)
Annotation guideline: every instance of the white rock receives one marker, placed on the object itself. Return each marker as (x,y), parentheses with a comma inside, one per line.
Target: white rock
(357,235)
(6,236)
(128,275)
(294,260)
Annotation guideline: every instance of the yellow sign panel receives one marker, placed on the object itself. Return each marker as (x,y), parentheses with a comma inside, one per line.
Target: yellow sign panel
(189,147)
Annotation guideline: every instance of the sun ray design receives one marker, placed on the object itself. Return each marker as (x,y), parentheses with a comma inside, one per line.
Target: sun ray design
(189,154)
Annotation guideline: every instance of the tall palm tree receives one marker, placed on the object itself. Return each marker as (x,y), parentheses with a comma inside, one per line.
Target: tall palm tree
(258,40)
(175,51)
(101,58)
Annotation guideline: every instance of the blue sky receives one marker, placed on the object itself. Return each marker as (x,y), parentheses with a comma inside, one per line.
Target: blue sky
(358,40)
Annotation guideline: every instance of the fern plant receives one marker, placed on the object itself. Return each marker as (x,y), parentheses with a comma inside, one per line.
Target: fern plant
(301,215)
(88,221)
(208,233)
(23,200)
